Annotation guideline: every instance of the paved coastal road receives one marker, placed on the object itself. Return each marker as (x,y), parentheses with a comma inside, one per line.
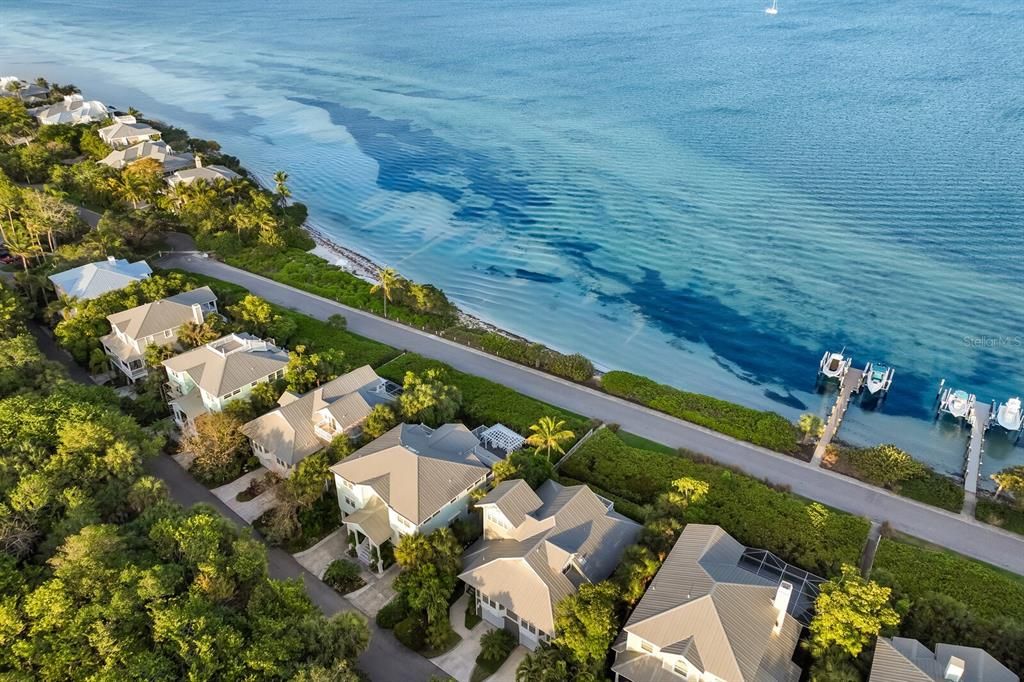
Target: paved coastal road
(384,660)
(961,534)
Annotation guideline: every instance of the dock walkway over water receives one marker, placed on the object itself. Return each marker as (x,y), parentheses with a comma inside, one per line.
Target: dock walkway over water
(850,384)
(980,417)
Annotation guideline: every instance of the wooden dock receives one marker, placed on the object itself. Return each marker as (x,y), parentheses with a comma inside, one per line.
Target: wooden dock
(851,384)
(979,424)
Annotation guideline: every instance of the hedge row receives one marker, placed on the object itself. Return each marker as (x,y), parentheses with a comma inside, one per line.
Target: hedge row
(574,367)
(807,534)
(1000,514)
(917,571)
(766,429)
(485,402)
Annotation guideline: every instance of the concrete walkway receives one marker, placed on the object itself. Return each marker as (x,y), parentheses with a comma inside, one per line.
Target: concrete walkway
(317,558)
(507,671)
(460,661)
(250,510)
(867,557)
(958,533)
(377,592)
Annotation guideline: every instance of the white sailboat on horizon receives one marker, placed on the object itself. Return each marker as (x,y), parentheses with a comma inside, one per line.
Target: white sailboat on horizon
(774,9)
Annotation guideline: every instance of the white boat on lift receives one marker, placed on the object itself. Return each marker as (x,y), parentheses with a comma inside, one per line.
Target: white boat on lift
(956,403)
(774,9)
(878,378)
(1010,415)
(834,365)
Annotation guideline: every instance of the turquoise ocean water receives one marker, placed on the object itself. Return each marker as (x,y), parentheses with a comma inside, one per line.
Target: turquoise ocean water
(694,191)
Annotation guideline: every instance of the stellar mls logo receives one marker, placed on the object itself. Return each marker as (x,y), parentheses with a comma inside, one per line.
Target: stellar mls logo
(994,341)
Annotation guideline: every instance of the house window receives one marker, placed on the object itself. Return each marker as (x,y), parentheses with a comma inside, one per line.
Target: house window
(529,626)
(350,502)
(167,333)
(648,647)
(680,668)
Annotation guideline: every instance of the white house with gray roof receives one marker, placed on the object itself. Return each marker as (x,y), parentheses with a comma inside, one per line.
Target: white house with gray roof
(155,323)
(126,131)
(413,479)
(202,173)
(538,547)
(205,379)
(26,92)
(707,618)
(94,279)
(74,109)
(157,150)
(302,425)
(901,659)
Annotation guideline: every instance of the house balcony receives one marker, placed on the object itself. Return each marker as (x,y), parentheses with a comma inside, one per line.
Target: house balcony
(172,390)
(326,431)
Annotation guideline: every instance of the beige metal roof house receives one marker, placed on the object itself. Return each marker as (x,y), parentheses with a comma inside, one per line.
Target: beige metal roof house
(124,131)
(707,617)
(206,378)
(537,548)
(157,150)
(907,660)
(153,323)
(413,479)
(304,424)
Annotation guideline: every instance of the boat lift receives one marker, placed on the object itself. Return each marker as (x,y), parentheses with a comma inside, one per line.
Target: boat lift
(956,403)
(834,366)
(1010,417)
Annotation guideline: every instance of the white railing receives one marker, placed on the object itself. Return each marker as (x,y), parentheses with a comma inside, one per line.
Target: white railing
(576,447)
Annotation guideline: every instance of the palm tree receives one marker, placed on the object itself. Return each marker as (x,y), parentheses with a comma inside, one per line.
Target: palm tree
(496,645)
(549,435)
(132,111)
(280,188)
(543,665)
(388,281)
(130,188)
(811,426)
(194,335)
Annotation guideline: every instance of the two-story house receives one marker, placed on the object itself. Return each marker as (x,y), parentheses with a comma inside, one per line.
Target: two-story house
(302,425)
(154,323)
(538,547)
(711,616)
(206,378)
(413,479)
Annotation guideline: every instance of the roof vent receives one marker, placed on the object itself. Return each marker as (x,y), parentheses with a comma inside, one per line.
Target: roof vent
(954,669)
